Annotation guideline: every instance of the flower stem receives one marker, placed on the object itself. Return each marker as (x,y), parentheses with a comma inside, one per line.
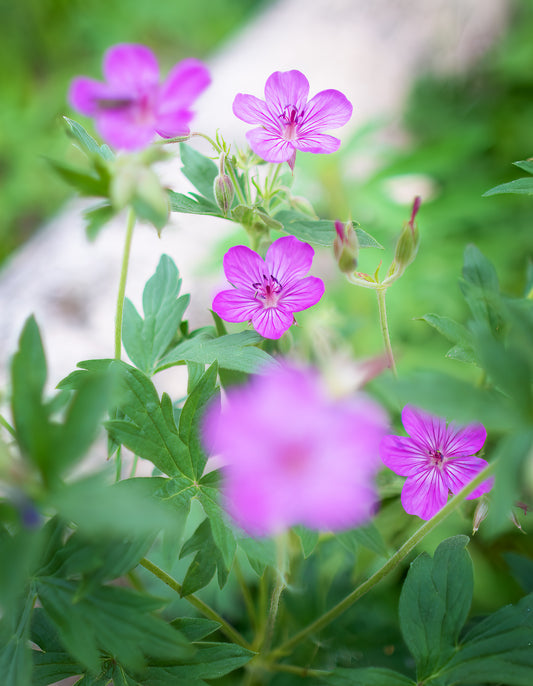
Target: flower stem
(122,284)
(231,173)
(381,293)
(207,611)
(383,571)
(279,586)
(7,426)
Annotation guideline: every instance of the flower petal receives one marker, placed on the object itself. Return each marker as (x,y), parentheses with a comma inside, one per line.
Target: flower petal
(286,89)
(252,110)
(121,130)
(464,441)
(173,123)
(270,145)
(318,143)
(235,306)
(289,259)
(184,83)
(302,294)
(424,493)
(86,94)
(243,267)
(272,322)
(428,431)
(461,470)
(402,455)
(131,66)
(328,109)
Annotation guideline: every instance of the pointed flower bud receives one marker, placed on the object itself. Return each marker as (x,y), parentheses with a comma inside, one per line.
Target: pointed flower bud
(480,514)
(346,247)
(223,189)
(407,245)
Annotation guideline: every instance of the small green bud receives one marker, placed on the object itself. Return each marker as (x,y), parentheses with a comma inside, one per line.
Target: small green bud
(224,192)
(346,247)
(408,242)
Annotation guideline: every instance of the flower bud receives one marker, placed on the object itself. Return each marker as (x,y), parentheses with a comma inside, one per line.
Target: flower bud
(346,247)
(480,514)
(407,245)
(223,189)
(302,205)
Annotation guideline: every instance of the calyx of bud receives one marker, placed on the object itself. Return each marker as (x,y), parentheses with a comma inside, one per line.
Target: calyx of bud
(223,189)
(346,247)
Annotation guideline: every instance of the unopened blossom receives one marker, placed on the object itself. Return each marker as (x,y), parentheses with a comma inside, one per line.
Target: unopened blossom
(133,105)
(294,455)
(268,292)
(436,459)
(287,121)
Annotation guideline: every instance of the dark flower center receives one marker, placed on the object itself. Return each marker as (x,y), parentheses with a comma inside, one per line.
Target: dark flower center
(290,114)
(268,290)
(436,457)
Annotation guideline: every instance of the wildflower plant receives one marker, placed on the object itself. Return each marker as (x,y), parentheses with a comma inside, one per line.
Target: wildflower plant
(255,545)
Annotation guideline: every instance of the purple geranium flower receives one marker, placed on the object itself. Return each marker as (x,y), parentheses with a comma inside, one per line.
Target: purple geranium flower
(436,459)
(287,122)
(269,291)
(294,455)
(132,105)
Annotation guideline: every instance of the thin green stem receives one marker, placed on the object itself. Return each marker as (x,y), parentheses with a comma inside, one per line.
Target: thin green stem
(381,293)
(215,145)
(134,466)
(279,586)
(7,426)
(202,607)
(122,284)
(300,671)
(231,173)
(383,571)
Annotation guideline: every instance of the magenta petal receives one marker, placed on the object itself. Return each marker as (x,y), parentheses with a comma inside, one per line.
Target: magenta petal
(120,130)
(302,294)
(464,441)
(326,110)
(402,455)
(85,95)
(184,83)
(286,89)
(461,470)
(235,306)
(289,258)
(272,322)
(131,66)
(252,110)
(425,493)
(173,123)
(318,143)
(270,145)
(243,267)
(427,430)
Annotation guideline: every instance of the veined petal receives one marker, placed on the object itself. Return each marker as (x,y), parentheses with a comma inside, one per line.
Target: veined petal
(184,83)
(289,258)
(243,267)
(272,322)
(270,145)
(428,431)
(328,109)
(235,305)
(424,493)
(252,110)
(461,470)
(318,143)
(302,294)
(121,130)
(402,455)
(86,94)
(464,441)
(131,66)
(286,89)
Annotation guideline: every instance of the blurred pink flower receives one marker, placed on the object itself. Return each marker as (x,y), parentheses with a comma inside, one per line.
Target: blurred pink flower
(269,291)
(287,122)
(294,455)
(436,459)
(132,105)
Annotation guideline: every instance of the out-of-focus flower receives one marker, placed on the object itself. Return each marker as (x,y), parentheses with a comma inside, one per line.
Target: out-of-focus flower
(287,122)
(269,291)
(346,247)
(294,455)
(436,459)
(131,106)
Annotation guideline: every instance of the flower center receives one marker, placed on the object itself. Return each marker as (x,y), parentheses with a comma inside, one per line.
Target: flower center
(268,290)
(436,458)
(291,118)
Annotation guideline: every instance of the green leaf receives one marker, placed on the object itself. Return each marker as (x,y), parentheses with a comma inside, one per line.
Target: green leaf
(519,186)
(308,539)
(223,535)
(452,330)
(195,628)
(200,170)
(261,553)
(96,218)
(368,676)
(367,536)
(521,569)
(320,232)
(237,352)
(114,620)
(86,183)
(205,562)
(87,142)
(479,271)
(498,650)
(186,205)
(434,604)
(526,165)
(145,340)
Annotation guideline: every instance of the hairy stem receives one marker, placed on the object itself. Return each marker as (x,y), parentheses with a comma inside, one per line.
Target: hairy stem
(386,569)
(381,293)
(122,284)
(202,607)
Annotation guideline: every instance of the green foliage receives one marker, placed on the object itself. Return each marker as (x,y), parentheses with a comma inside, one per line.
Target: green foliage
(521,186)
(320,232)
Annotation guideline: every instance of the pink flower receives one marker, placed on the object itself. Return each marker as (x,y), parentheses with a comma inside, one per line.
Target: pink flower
(132,105)
(287,122)
(436,459)
(294,455)
(269,291)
